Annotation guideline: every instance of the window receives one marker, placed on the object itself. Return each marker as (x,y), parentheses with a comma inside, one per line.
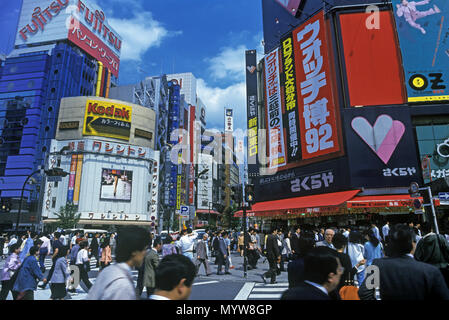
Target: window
(56,184)
(53,202)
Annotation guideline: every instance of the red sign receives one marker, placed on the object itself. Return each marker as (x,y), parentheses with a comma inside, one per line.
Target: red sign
(317,110)
(90,43)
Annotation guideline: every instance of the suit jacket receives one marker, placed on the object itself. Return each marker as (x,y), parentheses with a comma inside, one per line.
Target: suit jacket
(294,243)
(304,291)
(272,247)
(201,250)
(150,263)
(404,278)
(94,245)
(223,249)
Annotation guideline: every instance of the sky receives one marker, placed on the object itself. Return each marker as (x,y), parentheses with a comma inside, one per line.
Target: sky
(205,37)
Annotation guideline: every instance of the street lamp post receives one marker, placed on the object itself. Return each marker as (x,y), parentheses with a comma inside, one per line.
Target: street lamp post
(21,199)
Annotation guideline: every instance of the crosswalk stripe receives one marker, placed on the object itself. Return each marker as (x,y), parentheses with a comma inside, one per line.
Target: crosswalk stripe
(245,291)
(265,296)
(280,284)
(269,290)
(205,282)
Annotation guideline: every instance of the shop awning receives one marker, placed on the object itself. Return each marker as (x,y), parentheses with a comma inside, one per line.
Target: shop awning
(207,211)
(107,222)
(399,200)
(317,203)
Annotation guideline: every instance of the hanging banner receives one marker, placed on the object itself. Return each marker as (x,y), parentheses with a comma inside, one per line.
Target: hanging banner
(275,126)
(252,112)
(79,169)
(72,178)
(290,99)
(423,32)
(229,120)
(318,124)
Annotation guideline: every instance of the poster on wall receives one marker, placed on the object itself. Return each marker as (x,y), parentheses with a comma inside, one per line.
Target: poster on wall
(116,185)
(252,112)
(107,119)
(423,32)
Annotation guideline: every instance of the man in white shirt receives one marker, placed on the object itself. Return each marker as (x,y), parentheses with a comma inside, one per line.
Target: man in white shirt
(174,278)
(44,250)
(386,230)
(186,242)
(73,241)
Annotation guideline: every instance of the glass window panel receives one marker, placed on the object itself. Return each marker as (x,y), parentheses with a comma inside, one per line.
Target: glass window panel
(424,132)
(441,132)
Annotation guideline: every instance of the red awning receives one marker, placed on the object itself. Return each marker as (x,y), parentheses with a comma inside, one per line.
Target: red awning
(317,203)
(399,200)
(207,211)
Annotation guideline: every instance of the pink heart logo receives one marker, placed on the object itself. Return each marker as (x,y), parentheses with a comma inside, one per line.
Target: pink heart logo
(383,137)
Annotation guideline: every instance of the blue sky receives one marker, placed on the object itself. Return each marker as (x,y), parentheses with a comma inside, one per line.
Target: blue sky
(205,37)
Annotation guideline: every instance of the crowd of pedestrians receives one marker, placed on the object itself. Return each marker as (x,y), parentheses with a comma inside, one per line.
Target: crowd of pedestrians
(334,263)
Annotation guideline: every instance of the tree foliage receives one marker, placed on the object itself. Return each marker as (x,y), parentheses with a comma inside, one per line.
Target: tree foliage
(68,216)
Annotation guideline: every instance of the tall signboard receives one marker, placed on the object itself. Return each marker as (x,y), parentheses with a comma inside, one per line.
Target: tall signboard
(205,161)
(275,124)
(80,22)
(424,25)
(229,120)
(252,112)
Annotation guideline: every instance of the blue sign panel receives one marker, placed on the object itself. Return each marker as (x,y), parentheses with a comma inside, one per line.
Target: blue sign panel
(423,31)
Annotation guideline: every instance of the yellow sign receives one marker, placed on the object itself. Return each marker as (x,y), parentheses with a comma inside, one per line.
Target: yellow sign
(107,119)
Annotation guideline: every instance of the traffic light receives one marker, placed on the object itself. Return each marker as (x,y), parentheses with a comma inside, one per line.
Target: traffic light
(236,194)
(250,197)
(56,172)
(5,205)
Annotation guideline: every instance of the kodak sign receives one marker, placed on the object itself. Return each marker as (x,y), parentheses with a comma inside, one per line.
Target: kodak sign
(107,119)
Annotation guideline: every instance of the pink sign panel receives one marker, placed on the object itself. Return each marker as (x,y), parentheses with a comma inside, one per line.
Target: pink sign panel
(291,5)
(90,43)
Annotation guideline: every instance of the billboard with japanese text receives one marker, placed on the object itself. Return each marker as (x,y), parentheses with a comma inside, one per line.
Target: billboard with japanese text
(275,125)
(252,112)
(107,119)
(423,33)
(81,22)
(317,109)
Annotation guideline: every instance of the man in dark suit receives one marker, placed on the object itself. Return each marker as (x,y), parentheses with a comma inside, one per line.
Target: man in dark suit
(202,255)
(401,277)
(222,255)
(94,245)
(273,256)
(294,242)
(322,273)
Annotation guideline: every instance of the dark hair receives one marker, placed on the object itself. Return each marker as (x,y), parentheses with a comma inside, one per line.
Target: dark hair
(33,250)
(84,244)
(400,240)
(131,239)
(38,242)
(373,239)
(306,243)
(273,229)
(105,243)
(13,248)
(156,242)
(318,264)
(354,237)
(339,241)
(62,252)
(426,227)
(57,235)
(172,269)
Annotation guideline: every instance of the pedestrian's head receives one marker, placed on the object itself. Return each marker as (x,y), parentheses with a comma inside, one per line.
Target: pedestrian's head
(274,230)
(57,235)
(15,248)
(404,2)
(322,230)
(339,241)
(62,252)
(84,244)
(306,243)
(410,224)
(298,229)
(132,245)
(321,266)
(38,242)
(174,277)
(205,236)
(34,250)
(157,244)
(328,235)
(105,243)
(400,240)
(354,237)
(426,228)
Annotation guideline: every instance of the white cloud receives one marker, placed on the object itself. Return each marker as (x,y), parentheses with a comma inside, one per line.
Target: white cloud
(139,34)
(217,99)
(229,64)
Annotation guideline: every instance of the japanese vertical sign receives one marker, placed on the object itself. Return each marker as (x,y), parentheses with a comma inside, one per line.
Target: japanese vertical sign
(423,32)
(79,168)
(290,100)
(276,146)
(229,120)
(252,112)
(318,126)
(72,177)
